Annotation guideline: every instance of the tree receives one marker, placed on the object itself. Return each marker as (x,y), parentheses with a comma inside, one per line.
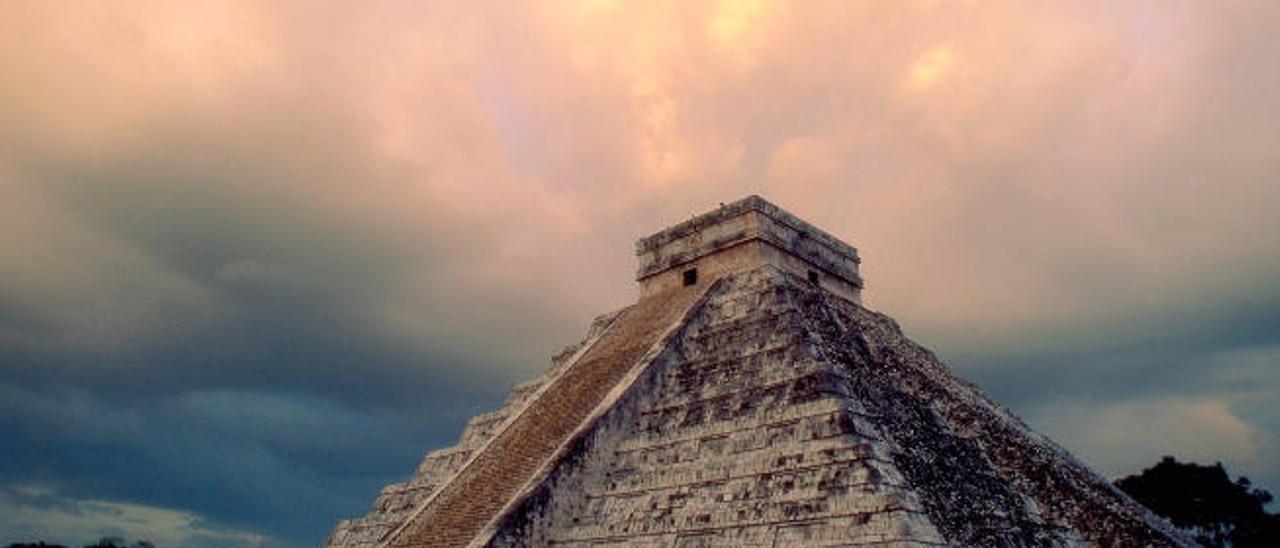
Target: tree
(1204,500)
(104,542)
(117,542)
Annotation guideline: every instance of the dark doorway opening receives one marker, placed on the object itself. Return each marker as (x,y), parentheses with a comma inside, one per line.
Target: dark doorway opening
(690,277)
(813,277)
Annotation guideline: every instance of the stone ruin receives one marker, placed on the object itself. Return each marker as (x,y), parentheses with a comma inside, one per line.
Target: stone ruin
(748,399)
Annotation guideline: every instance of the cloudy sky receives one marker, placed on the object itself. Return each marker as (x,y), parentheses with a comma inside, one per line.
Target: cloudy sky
(256,258)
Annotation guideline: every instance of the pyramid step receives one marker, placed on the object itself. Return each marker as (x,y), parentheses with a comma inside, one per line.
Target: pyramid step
(497,473)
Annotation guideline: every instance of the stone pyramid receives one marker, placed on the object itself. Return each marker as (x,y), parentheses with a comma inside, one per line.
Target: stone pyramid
(748,399)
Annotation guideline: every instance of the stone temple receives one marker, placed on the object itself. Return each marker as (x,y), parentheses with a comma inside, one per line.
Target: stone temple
(748,399)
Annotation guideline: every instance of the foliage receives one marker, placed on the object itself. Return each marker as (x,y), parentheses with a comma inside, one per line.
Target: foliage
(104,542)
(1204,500)
(117,542)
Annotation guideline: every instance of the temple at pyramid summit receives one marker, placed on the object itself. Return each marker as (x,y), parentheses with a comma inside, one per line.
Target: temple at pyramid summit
(748,399)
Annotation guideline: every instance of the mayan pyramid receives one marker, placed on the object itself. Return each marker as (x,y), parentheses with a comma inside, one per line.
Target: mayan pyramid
(748,399)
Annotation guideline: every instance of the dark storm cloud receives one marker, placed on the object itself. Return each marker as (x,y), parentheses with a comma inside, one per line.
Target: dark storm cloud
(266,462)
(256,259)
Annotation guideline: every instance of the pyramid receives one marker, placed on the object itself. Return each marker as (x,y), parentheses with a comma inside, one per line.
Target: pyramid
(748,399)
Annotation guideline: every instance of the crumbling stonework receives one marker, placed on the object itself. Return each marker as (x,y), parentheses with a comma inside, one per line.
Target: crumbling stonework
(398,500)
(734,436)
(753,408)
(534,438)
(741,236)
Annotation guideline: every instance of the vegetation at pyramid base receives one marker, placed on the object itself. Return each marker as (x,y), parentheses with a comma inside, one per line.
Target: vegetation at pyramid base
(1204,500)
(104,542)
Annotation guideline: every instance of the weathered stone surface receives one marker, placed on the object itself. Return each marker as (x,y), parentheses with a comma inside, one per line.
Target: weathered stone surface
(397,501)
(520,449)
(735,435)
(743,235)
(754,409)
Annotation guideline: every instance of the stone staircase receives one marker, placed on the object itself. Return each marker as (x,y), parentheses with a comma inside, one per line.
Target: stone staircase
(486,484)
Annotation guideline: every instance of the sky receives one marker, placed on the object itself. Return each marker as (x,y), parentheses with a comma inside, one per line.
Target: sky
(257,258)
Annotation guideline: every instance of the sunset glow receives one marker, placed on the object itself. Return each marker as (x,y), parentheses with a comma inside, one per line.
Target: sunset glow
(931,67)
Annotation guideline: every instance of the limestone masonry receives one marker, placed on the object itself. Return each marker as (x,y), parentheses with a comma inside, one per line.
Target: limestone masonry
(748,399)
(747,234)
